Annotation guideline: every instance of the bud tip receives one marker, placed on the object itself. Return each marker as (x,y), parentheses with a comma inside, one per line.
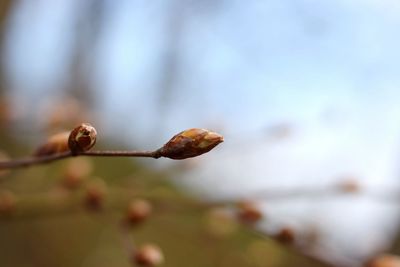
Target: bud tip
(191,143)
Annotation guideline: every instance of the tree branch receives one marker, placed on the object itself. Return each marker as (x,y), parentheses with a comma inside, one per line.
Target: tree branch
(29,161)
(186,144)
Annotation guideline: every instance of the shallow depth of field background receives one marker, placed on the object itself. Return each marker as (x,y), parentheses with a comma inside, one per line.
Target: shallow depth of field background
(305,92)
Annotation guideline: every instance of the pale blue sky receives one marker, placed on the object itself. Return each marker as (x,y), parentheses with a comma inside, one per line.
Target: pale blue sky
(258,62)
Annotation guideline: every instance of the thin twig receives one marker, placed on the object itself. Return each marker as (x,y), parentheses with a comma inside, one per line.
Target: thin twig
(291,247)
(29,161)
(122,153)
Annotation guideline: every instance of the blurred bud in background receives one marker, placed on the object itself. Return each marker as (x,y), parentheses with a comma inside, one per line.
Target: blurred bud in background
(148,255)
(56,143)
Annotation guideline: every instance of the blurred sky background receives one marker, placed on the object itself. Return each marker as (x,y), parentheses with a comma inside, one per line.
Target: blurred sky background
(306,93)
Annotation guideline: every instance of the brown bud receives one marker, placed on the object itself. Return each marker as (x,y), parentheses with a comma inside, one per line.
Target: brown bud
(190,143)
(95,195)
(82,138)
(148,255)
(385,260)
(55,144)
(138,211)
(285,235)
(248,212)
